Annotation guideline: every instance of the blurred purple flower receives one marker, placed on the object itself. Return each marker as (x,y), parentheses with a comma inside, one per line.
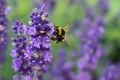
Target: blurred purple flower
(3,31)
(84,75)
(111,73)
(91,46)
(16,77)
(89,12)
(103,5)
(62,69)
(49,4)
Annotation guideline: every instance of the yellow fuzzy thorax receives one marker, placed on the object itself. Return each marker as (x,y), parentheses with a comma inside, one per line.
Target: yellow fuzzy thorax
(59,30)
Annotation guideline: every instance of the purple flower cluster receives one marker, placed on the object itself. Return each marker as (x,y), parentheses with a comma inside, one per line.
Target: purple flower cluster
(32,58)
(50,4)
(91,47)
(103,5)
(3,31)
(38,51)
(111,73)
(62,69)
(20,62)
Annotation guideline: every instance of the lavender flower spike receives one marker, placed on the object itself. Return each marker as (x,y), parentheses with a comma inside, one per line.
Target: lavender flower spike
(111,73)
(62,69)
(39,51)
(103,5)
(50,4)
(3,31)
(20,63)
(91,47)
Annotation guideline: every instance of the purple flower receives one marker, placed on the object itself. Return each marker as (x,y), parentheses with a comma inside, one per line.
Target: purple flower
(17,63)
(14,53)
(36,42)
(46,42)
(29,78)
(16,77)
(47,56)
(103,5)
(32,31)
(49,4)
(90,44)
(84,75)
(20,63)
(89,12)
(112,72)
(3,30)
(62,69)
(18,27)
(38,51)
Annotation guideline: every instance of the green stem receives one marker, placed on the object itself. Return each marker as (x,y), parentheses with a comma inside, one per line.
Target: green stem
(35,74)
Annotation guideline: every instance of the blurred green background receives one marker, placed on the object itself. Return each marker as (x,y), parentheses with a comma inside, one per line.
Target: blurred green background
(64,13)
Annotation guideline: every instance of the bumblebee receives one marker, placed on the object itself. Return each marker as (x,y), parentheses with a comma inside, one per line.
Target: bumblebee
(59,35)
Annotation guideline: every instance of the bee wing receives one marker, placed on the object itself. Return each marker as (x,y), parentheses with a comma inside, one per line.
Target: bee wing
(68,42)
(67,28)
